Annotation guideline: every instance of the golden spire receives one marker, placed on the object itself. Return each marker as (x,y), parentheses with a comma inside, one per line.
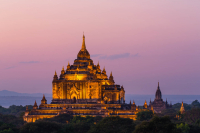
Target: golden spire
(63,68)
(182,109)
(83,43)
(68,63)
(111,74)
(133,102)
(98,63)
(55,73)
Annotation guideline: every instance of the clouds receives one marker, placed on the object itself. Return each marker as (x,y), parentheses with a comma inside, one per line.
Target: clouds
(29,62)
(115,56)
(22,63)
(10,67)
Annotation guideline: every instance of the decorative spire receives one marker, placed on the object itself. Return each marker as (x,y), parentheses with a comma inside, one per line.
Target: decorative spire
(98,63)
(111,78)
(43,101)
(158,93)
(133,102)
(68,66)
(104,71)
(55,76)
(182,109)
(35,104)
(63,71)
(145,104)
(83,43)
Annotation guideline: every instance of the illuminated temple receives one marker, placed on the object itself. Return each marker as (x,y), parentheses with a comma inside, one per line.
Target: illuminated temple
(83,89)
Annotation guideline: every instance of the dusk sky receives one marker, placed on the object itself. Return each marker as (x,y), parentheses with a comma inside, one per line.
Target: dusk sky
(141,42)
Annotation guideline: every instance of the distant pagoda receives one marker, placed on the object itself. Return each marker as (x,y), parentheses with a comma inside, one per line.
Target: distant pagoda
(158,104)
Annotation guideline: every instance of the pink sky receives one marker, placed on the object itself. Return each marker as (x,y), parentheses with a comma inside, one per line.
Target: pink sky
(141,42)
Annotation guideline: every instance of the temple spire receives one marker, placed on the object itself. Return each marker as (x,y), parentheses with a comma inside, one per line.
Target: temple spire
(55,73)
(83,43)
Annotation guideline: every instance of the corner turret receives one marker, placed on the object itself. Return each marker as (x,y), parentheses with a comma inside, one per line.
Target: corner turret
(111,79)
(43,101)
(35,106)
(68,66)
(55,77)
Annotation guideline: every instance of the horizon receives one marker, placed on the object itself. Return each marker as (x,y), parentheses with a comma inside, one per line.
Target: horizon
(141,43)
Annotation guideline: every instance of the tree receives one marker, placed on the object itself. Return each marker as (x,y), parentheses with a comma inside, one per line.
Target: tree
(192,116)
(42,127)
(157,125)
(184,127)
(113,125)
(144,115)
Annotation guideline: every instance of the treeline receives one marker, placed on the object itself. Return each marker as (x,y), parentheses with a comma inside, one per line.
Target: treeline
(14,110)
(169,121)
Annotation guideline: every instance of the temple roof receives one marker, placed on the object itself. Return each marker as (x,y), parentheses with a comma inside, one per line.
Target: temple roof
(83,53)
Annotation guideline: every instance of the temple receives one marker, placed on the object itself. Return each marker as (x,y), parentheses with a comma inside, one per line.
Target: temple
(182,109)
(158,104)
(84,89)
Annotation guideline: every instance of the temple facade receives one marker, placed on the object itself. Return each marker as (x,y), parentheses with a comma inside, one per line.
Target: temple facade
(83,89)
(158,104)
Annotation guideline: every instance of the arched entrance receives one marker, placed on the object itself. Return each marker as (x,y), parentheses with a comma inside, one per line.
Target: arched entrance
(74,100)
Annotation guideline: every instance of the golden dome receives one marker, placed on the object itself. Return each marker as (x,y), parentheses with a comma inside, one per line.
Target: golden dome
(83,53)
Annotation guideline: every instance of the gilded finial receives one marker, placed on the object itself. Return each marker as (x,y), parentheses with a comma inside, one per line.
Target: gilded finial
(111,74)
(68,63)
(83,43)
(55,73)
(63,68)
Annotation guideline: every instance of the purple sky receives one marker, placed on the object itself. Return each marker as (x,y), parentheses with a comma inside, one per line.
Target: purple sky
(141,42)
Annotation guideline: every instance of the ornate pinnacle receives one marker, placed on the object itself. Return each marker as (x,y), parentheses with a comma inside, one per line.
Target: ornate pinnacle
(55,73)
(111,74)
(35,104)
(83,43)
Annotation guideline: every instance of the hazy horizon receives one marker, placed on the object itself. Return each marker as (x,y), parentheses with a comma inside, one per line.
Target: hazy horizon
(141,42)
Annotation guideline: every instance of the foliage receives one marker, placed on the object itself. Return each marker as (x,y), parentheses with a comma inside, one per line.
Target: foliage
(195,104)
(42,127)
(183,127)
(144,115)
(157,125)
(14,110)
(192,116)
(7,131)
(113,125)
